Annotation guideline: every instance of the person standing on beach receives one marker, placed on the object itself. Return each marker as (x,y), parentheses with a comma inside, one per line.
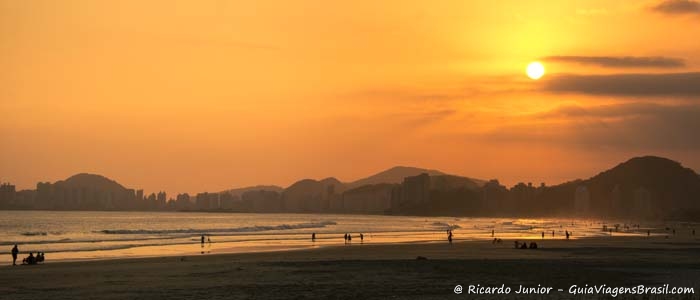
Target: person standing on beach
(362,238)
(202,240)
(543,235)
(493,232)
(552,233)
(313,237)
(15,251)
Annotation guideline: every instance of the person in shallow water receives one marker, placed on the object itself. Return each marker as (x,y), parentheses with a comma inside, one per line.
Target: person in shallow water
(15,251)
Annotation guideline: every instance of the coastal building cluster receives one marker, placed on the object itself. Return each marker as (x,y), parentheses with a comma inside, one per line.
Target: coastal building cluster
(666,189)
(328,196)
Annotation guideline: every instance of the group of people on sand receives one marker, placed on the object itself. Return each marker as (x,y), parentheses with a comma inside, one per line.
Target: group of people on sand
(524,245)
(29,260)
(208,240)
(348,238)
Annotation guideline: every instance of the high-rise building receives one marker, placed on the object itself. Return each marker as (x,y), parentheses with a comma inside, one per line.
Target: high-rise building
(7,195)
(161,200)
(183,202)
(415,189)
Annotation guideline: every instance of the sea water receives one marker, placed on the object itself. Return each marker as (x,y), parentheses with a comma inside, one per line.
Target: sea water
(85,235)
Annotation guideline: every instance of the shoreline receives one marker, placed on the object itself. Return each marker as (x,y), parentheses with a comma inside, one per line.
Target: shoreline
(616,242)
(366,271)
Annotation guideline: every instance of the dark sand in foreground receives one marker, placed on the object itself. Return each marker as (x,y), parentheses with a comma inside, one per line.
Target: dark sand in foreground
(366,271)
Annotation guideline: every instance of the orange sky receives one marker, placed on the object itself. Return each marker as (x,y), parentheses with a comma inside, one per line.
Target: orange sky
(188,96)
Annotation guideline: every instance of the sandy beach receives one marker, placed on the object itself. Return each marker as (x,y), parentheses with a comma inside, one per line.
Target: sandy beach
(371,271)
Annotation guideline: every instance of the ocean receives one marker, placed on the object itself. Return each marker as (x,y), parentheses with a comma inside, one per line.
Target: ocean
(88,235)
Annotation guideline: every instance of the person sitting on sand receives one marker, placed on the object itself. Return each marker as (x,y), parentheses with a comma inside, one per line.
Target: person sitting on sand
(39,257)
(30,260)
(15,251)
(517,244)
(533,245)
(523,246)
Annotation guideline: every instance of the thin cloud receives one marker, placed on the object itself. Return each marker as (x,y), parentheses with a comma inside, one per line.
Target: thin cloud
(627,126)
(667,84)
(620,61)
(678,7)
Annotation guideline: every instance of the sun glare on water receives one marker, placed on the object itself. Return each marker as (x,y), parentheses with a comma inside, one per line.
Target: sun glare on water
(535,70)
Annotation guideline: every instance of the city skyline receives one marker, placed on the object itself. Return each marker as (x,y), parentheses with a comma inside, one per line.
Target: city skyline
(642,187)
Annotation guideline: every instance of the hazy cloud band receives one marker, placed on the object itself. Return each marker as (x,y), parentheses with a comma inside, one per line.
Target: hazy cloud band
(668,84)
(621,61)
(678,7)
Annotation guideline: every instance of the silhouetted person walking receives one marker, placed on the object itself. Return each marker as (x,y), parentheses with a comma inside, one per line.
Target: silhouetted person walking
(543,235)
(313,237)
(362,238)
(15,251)
(202,240)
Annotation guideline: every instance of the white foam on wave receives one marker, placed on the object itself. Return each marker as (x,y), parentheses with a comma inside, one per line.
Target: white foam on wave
(220,230)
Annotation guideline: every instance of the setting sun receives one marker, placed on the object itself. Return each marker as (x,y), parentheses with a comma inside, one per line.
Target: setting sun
(535,70)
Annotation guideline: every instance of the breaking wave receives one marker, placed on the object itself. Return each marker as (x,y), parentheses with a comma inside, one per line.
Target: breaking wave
(220,230)
(40,233)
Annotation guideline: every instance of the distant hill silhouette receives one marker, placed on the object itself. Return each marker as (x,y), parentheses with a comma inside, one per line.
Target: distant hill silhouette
(310,195)
(448,182)
(91,181)
(240,191)
(673,190)
(396,175)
